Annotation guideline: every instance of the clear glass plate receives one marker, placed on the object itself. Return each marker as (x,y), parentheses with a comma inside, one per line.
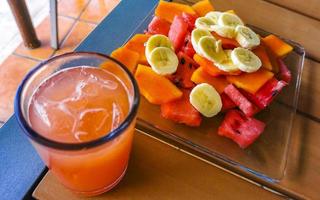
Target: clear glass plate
(267,157)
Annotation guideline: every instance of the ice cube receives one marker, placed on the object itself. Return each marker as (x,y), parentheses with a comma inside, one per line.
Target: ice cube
(116,116)
(93,120)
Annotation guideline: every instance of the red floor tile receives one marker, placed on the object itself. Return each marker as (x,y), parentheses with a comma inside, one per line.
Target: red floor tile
(43,32)
(71,8)
(78,33)
(12,71)
(98,9)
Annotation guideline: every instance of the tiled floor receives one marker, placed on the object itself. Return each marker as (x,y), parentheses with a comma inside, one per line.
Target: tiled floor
(80,30)
(10,37)
(97,8)
(12,70)
(77,18)
(43,32)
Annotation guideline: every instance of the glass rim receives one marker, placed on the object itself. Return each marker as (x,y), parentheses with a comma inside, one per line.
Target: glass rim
(35,136)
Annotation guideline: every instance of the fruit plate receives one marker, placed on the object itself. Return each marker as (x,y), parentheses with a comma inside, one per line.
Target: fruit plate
(266,158)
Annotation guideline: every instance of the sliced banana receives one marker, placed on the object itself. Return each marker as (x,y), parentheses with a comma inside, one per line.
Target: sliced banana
(211,49)
(214,16)
(163,60)
(246,37)
(245,60)
(228,19)
(196,34)
(227,65)
(155,41)
(204,23)
(224,31)
(206,100)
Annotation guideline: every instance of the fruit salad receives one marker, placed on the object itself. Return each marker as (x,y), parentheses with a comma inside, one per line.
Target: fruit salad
(196,62)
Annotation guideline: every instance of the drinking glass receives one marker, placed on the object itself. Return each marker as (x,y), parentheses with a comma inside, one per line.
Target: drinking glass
(90,167)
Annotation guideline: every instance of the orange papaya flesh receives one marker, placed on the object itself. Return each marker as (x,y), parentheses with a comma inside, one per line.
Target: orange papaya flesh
(210,68)
(277,46)
(127,57)
(136,43)
(168,10)
(203,7)
(200,76)
(251,82)
(261,52)
(227,43)
(272,57)
(155,88)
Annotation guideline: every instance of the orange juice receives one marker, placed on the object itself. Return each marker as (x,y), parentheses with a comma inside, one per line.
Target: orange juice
(77,105)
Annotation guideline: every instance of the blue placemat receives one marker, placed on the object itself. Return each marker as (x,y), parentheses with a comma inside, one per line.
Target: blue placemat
(20,166)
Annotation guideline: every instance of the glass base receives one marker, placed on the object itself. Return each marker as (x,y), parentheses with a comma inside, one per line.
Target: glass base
(102,190)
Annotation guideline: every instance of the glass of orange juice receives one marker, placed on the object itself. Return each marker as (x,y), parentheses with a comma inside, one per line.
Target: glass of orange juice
(79,112)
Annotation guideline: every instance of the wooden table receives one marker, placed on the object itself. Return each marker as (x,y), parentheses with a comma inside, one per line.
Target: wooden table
(297,20)
(161,171)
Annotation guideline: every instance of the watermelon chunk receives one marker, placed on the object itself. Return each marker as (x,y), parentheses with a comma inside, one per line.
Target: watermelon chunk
(248,108)
(241,129)
(227,103)
(285,73)
(267,93)
(158,26)
(181,111)
(177,33)
(187,47)
(182,77)
(190,20)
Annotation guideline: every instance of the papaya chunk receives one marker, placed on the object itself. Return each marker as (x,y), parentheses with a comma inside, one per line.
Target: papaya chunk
(261,52)
(251,82)
(136,43)
(155,88)
(181,111)
(272,57)
(203,7)
(201,76)
(277,46)
(168,10)
(227,43)
(210,68)
(127,57)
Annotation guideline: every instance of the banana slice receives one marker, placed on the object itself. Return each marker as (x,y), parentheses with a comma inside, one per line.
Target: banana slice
(245,60)
(204,23)
(163,60)
(206,100)
(227,65)
(157,41)
(214,16)
(196,34)
(228,19)
(211,49)
(224,31)
(246,37)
